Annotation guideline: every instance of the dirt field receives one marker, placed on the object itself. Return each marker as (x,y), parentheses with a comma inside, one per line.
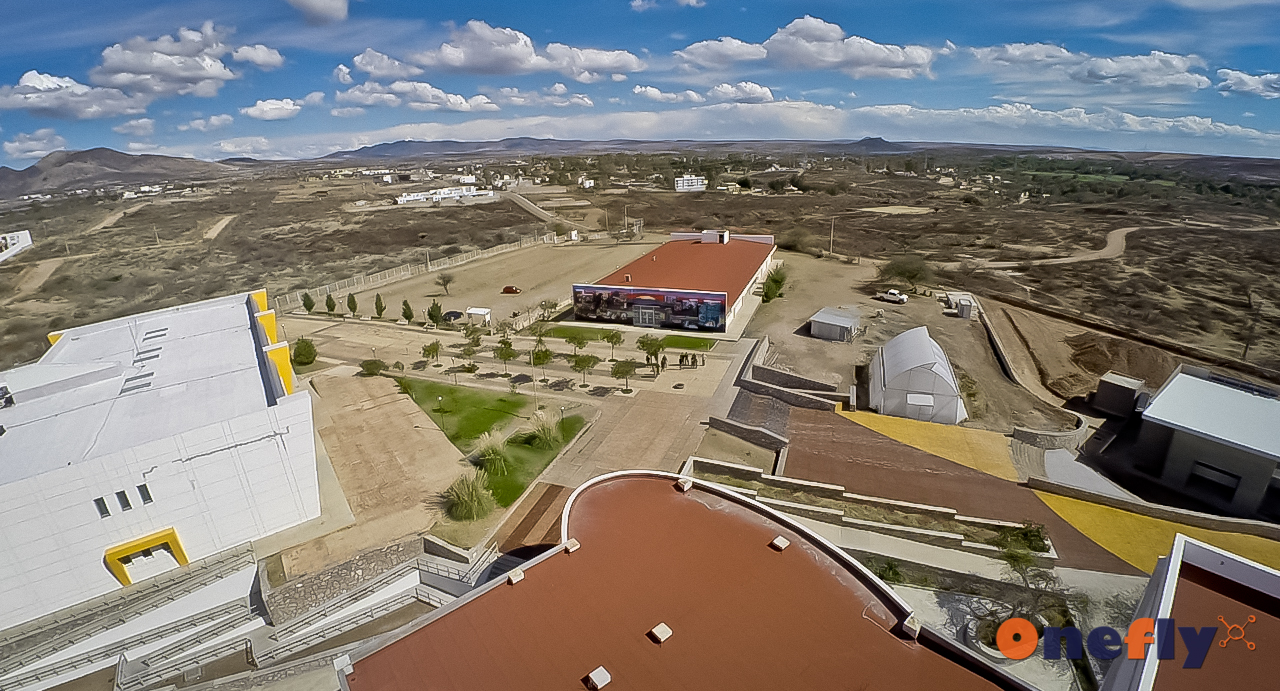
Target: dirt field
(542,272)
(994,403)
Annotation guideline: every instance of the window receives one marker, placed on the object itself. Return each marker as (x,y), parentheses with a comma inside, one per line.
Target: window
(123,498)
(145,493)
(101,504)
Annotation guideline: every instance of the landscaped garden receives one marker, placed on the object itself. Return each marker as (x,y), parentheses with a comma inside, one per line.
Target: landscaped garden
(679,342)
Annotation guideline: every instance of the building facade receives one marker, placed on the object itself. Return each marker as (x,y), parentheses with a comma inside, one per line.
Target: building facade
(691,183)
(142,443)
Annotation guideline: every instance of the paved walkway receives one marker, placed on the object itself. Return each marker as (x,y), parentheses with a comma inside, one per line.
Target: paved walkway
(973,448)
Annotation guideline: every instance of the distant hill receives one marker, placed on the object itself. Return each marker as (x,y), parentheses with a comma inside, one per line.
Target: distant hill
(65,170)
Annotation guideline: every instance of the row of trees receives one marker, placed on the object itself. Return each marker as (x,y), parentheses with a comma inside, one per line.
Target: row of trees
(444,280)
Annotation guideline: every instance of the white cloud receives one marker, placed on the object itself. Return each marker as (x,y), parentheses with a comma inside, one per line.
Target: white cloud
(314,98)
(64,97)
(556,95)
(380,66)
(721,53)
(141,127)
(260,55)
(1049,72)
(190,64)
(692,3)
(342,74)
(273,109)
(810,43)
(742,92)
(617,77)
(37,144)
(321,11)
(244,146)
(479,48)
(213,122)
(653,93)
(642,5)
(1214,5)
(353,112)
(1235,81)
(416,95)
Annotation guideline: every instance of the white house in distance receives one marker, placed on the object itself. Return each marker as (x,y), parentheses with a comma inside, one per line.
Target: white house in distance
(691,183)
(912,378)
(143,443)
(443,193)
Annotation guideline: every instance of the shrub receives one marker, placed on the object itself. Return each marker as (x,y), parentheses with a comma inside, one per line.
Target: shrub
(372,368)
(308,302)
(468,498)
(545,433)
(1028,536)
(304,352)
(492,454)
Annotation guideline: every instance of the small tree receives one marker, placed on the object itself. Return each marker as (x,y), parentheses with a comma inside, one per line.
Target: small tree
(431,351)
(444,280)
(910,268)
(304,352)
(330,304)
(371,368)
(406,311)
(539,331)
(468,351)
(625,370)
(308,302)
(435,313)
(506,353)
(576,340)
(614,339)
(652,346)
(378,305)
(504,328)
(584,364)
(351,304)
(539,357)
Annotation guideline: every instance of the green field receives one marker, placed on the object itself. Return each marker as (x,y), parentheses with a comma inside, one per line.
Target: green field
(1085,177)
(688,343)
(464,413)
(564,331)
(526,462)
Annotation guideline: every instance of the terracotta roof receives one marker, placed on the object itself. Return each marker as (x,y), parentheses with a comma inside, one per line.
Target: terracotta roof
(695,265)
(742,615)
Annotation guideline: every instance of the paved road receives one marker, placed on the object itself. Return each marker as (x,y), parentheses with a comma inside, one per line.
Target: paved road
(544,214)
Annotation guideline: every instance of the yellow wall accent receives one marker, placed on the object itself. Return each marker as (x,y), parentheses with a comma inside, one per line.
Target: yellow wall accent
(260,298)
(268,321)
(167,537)
(972,448)
(54,336)
(279,354)
(1140,540)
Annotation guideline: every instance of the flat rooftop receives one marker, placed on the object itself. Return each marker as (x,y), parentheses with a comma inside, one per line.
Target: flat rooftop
(695,265)
(742,615)
(116,385)
(1215,411)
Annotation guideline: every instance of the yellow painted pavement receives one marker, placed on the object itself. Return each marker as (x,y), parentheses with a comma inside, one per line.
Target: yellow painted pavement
(1140,540)
(973,448)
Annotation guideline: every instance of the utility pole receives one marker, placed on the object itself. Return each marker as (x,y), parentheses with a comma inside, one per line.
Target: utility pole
(156,232)
(832,247)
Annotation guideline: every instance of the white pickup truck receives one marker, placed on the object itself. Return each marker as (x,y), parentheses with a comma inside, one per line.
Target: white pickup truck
(893,295)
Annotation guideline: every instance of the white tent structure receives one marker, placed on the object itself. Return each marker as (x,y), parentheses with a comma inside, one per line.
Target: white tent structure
(912,378)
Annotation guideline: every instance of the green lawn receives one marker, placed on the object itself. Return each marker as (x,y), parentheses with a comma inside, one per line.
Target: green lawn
(465,413)
(526,462)
(564,331)
(689,342)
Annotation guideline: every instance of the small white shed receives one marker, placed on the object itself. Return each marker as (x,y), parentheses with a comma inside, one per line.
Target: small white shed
(912,378)
(834,323)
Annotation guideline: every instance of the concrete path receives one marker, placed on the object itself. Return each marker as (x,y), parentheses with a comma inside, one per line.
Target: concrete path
(907,550)
(545,215)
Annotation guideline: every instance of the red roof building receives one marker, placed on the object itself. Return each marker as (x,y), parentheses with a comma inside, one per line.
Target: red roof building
(694,281)
(664,582)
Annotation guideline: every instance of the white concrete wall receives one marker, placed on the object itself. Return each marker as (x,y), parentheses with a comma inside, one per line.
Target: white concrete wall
(219,486)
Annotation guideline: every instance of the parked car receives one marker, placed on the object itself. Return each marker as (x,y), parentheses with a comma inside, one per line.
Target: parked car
(511,290)
(893,295)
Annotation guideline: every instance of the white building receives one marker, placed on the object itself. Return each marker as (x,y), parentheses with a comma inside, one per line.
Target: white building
(145,442)
(912,378)
(13,243)
(438,195)
(691,183)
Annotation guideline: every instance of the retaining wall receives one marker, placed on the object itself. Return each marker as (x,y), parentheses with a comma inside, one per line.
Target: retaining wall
(748,433)
(798,399)
(777,377)
(1072,439)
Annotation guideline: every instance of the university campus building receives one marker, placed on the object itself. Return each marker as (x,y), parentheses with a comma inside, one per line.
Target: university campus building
(143,443)
(695,281)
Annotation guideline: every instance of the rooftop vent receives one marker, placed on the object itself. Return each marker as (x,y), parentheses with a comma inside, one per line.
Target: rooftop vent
(136,383)
(6,398)
(684,484)
(572,545)
(660,633)
(155,333)
(627,278)
(779,543)
(515,576)
(598,678)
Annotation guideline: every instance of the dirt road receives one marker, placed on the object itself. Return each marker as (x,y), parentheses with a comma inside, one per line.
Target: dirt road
(212,232)
(546,215)
(111,219)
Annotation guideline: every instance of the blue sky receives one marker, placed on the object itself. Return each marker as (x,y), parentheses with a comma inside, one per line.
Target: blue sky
(302,78)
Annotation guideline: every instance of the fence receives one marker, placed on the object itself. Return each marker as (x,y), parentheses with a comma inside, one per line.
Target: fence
(291,301)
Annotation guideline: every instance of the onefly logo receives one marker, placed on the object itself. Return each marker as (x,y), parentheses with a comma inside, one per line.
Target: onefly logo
(1017,639)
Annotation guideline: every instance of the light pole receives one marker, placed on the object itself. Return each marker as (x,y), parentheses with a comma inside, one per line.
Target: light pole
(561,414)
